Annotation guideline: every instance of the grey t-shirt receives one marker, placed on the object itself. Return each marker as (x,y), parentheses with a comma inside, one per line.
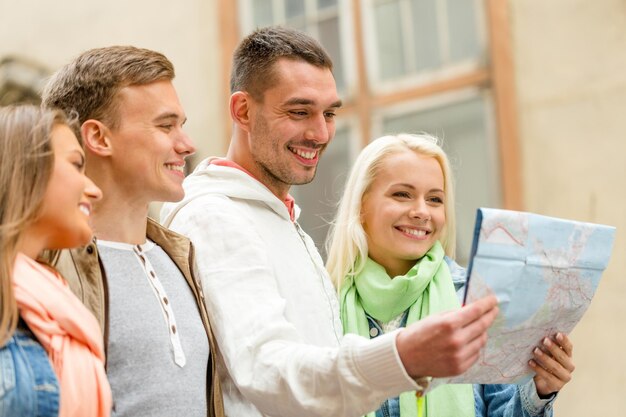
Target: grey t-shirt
(158,349)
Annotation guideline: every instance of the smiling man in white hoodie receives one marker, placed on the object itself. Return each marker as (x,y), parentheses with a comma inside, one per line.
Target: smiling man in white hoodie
(273,307)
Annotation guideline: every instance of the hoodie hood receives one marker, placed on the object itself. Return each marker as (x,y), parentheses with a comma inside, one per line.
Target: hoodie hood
(209,179)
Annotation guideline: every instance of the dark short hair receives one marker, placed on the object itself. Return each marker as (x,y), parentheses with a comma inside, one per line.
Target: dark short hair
(254,58)
(89,84)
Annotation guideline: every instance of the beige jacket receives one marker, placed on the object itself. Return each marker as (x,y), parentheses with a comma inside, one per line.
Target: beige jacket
(83,271)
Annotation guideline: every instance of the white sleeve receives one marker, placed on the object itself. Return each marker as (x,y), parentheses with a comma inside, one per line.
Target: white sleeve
(263,352)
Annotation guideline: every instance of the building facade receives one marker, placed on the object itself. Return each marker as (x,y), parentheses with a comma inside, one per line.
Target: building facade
(527,95)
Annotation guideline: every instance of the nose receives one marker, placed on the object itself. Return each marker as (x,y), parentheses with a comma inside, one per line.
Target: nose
(320,129)
(184,145)
(92,191)
(420,211)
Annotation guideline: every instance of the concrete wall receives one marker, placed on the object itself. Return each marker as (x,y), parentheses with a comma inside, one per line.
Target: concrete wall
(185,31)
(571,83)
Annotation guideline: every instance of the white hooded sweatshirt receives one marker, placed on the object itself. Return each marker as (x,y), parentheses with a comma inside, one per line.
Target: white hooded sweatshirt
(273,308)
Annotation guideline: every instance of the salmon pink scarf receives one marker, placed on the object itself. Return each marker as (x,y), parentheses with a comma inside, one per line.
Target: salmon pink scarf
(69,333)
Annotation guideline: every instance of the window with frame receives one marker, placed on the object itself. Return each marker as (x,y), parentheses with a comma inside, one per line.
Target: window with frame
(410,39)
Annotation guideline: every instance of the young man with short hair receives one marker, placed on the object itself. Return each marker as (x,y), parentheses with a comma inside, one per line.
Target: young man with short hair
(138,277)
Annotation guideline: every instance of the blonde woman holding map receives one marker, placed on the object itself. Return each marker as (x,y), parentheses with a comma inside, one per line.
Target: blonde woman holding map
(390,254)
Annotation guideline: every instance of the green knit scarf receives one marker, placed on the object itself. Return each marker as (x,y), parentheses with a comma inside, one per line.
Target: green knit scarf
(426,289)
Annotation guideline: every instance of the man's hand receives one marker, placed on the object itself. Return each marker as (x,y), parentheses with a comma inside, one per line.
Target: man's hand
(446,344)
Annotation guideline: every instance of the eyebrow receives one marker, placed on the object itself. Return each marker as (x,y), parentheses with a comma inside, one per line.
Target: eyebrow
(412,187)
(308,102)
(402,185)
(169,115)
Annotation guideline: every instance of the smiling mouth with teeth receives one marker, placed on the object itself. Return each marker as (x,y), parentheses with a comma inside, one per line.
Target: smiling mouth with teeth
(84,209)
(413,232)
(178,168)
(304,154)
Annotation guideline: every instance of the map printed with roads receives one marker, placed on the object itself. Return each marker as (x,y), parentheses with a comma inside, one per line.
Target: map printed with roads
(544,272)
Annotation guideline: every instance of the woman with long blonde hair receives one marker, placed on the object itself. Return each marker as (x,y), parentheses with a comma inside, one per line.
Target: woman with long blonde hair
(390,254)
(51,352)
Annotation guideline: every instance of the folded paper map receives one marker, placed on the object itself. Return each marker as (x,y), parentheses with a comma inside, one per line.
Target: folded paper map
(544,272)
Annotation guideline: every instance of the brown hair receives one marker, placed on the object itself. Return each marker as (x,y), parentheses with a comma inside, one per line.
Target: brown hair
(26,163)
(254,59)
(89,84)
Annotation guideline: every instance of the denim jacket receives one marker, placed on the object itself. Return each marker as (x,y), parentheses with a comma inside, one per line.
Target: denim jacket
(28,385)
(491,400)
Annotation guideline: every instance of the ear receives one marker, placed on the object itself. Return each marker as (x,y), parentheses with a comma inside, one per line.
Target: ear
(362,210)
(240,106)
(96,137)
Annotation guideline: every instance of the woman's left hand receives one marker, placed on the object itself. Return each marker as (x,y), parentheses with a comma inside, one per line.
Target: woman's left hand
(552,364)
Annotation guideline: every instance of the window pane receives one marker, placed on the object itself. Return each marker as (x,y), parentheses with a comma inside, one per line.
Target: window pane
(297,23)
(329,37)
(462,126)
(262,13)
(425,34)
(318,199)
(462,25)
(326,3)
(294,8)
(389,38)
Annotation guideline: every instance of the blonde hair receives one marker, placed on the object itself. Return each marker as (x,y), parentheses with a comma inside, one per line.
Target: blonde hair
(347,241)
(26,163)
